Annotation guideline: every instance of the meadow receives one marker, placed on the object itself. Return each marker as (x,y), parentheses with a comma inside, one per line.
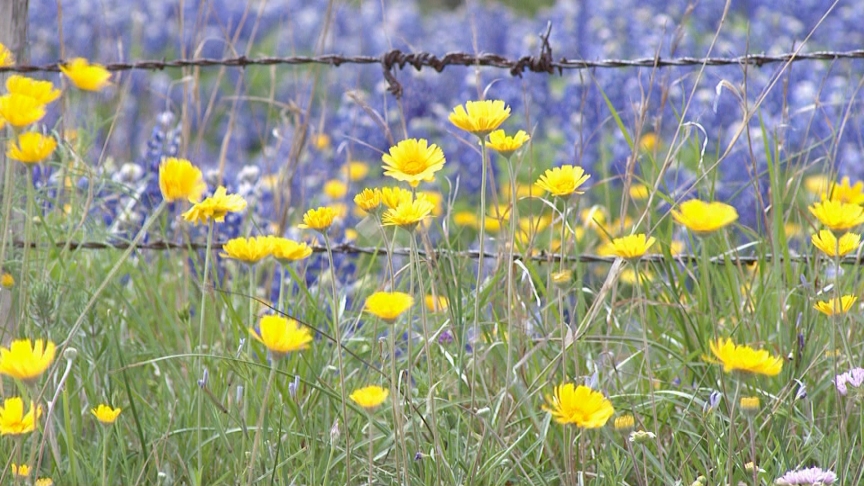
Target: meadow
(329,273)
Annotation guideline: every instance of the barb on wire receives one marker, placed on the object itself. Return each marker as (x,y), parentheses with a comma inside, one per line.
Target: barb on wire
(541,63)
(347,249)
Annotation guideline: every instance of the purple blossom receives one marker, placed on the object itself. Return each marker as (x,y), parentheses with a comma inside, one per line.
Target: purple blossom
(854,378)
(811,476)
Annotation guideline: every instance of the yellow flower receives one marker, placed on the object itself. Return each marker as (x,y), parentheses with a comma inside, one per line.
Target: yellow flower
(632,246)
(817,184)
(580,405)
(639,192)
(368,200)
(249,250)
(466,218)
(563,181)
(215,207)
(13,421)
(321,141)
(335,189)
(41,91)
(6,57)
(394,196)
(356,170)
(749,404)
(86,76)
(562,278)
(436,304)
(44,482)
(624,423)
(318,219)
(837,306)
(30,147)
(408,214)
(507,145)
(435,198)
(827,242)
(21,471)
(281,336)
(106,414)
(480,117)
(7,281)
(179,179)
(24,361)
(20,110)
(388,305)
(846,193)
(838,216)
(628,276)
(743,358)
(648,142)
(369,396)
(704,217)
(413,161)
(285,250)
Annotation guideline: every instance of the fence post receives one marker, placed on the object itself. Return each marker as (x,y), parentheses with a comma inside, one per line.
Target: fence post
(13,35)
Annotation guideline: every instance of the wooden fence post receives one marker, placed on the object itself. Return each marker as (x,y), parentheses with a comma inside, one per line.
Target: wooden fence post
(13,35)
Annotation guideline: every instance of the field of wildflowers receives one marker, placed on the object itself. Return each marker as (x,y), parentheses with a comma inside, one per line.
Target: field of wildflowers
(288,275)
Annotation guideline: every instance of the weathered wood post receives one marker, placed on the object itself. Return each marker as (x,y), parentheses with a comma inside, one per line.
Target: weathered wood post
(13,34)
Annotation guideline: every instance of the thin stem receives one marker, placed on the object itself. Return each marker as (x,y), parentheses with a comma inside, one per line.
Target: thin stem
(337,334)
(8,175)
(104,456)
(25,261)
(200,365)
(640,302)
(254,455)
(371,449)
(479,283)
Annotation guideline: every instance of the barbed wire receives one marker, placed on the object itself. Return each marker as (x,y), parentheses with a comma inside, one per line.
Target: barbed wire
(541,63)
(539,256)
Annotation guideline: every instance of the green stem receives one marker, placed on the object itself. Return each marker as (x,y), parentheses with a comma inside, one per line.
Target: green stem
(25,262)
(104,456)
(200,364)
(8,176)
(254,454)
(337,334)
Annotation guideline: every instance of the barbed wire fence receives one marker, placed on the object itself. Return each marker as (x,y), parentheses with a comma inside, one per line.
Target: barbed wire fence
(397,59)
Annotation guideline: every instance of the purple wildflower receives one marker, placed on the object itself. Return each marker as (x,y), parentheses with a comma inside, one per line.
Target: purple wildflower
(446,337)
(811,476)
(854,378)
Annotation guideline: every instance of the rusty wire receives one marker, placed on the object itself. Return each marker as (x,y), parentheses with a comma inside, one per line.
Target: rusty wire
(396,59)
(348,249)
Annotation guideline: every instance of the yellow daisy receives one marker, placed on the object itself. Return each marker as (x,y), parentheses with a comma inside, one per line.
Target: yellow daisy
(829,244)
(20,110)
(105,414)
(703,217)
(86,76)
(845,192)
(480,117)
(368,200)
(743,358)
(563,181)
(413,161)
(837,216)
(281,336)
(580,406)
(285,250)
(30,147)
(387,306)
(318,219)
(25,360)
(6,57)
(837,306)
(395,196)
(408,214)
(248,250)
(13,420)
(215,207)
(179,179)
(370,396)
(42,91)
(507,145)
(632,246)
